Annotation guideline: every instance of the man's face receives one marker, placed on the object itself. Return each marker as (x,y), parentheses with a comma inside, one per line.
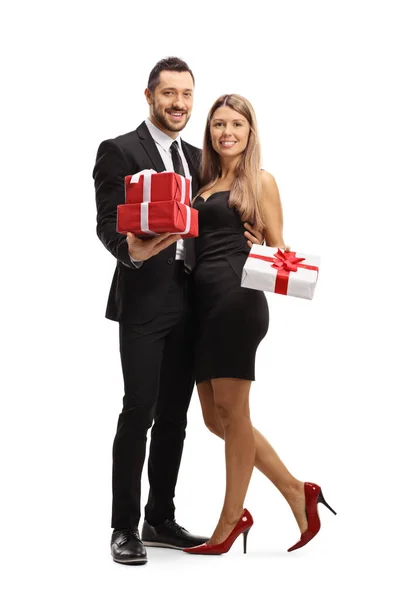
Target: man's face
(171,103)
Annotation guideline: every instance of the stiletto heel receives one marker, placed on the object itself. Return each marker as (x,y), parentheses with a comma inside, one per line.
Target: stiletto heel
(245,534)
(324,502)
(313,496)
(242,526)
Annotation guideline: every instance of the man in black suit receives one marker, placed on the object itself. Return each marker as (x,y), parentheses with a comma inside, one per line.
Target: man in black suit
(150,297)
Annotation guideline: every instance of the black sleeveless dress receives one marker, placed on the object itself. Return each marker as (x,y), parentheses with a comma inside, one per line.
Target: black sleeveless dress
(230,320)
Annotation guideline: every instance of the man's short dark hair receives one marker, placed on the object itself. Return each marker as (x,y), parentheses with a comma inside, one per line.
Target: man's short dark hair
(172,63)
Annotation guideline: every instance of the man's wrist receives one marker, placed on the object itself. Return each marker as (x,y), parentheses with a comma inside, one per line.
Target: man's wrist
(136,263)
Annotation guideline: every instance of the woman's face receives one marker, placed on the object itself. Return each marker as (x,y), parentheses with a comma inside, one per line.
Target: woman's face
(229,132)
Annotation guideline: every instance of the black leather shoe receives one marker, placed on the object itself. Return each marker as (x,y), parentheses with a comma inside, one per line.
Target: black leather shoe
(127,547)
(170,535)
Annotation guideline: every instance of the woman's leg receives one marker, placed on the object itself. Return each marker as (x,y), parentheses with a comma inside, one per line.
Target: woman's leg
(266,460)
(231,398)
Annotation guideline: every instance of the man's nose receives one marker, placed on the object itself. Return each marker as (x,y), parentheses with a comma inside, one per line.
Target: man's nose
(179,102)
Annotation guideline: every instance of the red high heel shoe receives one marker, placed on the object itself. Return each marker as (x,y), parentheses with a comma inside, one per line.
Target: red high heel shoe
(242,526)
(313,495)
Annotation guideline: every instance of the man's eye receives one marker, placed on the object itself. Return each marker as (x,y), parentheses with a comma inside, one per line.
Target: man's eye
(188,95)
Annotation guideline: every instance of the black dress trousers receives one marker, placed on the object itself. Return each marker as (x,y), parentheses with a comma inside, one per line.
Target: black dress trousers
(157,364)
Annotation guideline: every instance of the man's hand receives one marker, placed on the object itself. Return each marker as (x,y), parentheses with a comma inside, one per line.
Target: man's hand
(144,249)
(253,236)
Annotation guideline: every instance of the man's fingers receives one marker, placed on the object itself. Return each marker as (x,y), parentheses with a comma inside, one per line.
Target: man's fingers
(146,248)
(165,242)
(253,234)
(250,236)
(252,239)
(160,238)
(167,237)
(251,228)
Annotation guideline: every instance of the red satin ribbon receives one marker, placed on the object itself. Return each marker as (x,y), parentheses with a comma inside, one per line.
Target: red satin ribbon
(285,262)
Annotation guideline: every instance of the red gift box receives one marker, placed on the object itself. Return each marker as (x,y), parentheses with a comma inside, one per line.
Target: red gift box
(147,219)
(148,186)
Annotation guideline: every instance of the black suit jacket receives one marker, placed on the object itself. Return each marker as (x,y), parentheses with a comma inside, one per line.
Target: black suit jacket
(136,295)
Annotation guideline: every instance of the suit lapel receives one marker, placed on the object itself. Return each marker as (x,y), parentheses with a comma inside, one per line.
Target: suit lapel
(150,147)
(192,167)
(190,256)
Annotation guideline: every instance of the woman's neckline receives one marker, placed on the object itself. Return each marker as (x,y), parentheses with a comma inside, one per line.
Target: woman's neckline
(213,194)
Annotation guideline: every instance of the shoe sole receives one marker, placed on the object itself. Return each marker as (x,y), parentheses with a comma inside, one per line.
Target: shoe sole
(133,561)
(161,545)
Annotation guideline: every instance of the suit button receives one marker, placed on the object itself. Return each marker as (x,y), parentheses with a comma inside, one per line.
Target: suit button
(170,261)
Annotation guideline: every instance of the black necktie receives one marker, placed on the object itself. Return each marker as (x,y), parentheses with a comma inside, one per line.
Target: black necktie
(188,243)
(176,159)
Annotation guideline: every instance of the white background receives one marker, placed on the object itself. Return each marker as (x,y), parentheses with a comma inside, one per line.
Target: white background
(322,77)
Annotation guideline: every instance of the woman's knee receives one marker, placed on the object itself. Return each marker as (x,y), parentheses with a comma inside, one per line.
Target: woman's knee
(226,413)
(210,415)
(231,408)
(213,424)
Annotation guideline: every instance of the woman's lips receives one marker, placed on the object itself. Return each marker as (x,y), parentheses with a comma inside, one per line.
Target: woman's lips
(227,144)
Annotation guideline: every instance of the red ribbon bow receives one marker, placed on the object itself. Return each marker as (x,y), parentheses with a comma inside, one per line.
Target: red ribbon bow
(286,260)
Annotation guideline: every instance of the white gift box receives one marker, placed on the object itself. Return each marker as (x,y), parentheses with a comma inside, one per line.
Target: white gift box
(288,273)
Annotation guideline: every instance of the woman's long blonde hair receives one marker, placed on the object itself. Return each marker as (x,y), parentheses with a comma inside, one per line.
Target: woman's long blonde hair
(245,193)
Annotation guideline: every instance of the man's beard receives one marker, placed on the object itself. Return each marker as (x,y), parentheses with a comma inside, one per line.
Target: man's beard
(173,127)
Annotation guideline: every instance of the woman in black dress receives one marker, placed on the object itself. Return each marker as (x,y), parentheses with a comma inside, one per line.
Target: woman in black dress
(231,320)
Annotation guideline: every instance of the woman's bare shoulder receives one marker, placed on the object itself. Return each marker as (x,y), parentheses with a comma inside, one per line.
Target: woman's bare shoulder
(267,181)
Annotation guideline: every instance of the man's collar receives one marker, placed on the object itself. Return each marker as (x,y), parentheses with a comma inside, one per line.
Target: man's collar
(160,137)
